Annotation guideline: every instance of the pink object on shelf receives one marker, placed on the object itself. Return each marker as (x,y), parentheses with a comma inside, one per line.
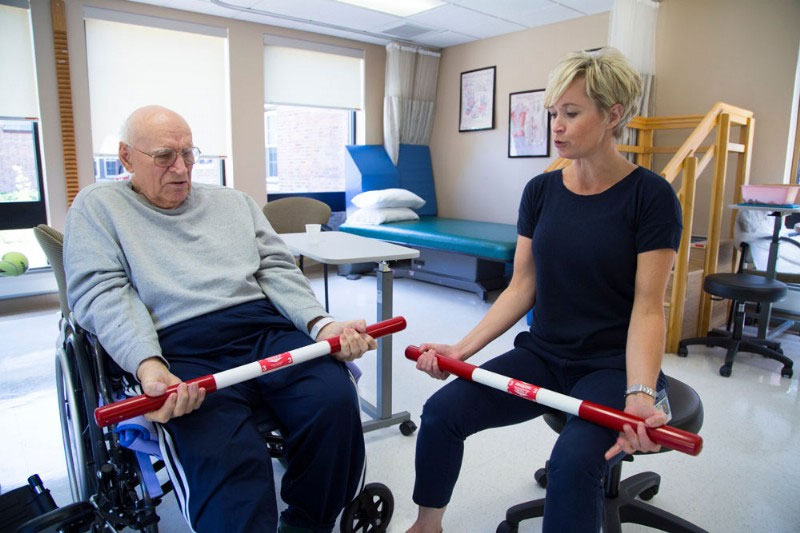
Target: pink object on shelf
(770,194)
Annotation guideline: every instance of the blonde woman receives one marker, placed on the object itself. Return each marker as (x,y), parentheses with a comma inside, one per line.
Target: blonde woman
(595,247)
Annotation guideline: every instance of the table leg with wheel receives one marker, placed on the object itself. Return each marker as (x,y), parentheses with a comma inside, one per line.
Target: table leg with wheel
(382,412)
(772,263)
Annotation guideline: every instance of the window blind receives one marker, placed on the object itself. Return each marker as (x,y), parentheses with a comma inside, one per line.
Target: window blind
(306,73)
(18,96)
(140,62)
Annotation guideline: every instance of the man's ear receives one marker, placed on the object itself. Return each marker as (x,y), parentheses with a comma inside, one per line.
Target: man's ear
(124,156)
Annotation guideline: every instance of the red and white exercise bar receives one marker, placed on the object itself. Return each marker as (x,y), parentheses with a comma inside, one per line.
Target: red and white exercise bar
(670,437)
(139,405)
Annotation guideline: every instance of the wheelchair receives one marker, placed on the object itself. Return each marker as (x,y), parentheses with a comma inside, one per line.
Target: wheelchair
(123,486)
(112,478)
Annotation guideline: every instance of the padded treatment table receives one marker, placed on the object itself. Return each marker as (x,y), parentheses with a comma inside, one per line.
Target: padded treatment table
(464,254)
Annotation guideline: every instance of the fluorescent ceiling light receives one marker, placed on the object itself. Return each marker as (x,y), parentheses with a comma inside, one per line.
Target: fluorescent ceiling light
(401,8)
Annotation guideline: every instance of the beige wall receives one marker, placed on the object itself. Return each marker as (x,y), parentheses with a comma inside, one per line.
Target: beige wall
(739,52)
(245,45)
(474,176)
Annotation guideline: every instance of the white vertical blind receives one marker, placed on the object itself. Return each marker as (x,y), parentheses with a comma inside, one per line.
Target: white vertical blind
(18,96)
(312,74)
(133,65)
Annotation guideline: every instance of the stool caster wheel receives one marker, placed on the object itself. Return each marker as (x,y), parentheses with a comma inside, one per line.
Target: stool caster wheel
(408,427)
(787,372)
(541,477)
(506,527)
(370,511)
(683,351)
(725,371)
(648,494)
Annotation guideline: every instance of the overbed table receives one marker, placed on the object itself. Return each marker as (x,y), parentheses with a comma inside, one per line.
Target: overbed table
(338,248)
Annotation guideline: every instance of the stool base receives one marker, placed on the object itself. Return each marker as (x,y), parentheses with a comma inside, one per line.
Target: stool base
(621,506)
(735,342)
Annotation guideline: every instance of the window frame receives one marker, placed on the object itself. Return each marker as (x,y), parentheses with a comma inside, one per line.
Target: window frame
(272,180)
(26,215)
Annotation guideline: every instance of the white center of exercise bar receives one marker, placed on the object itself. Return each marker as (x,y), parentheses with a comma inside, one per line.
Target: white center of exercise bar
(562,402)
(236,375)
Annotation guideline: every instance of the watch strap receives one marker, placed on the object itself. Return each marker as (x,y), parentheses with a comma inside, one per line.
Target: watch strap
(633,389)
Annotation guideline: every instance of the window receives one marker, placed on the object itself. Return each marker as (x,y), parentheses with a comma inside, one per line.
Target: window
(312,94)
(309,144)
(22,200)
(271,146)
(19,167)
(180,65)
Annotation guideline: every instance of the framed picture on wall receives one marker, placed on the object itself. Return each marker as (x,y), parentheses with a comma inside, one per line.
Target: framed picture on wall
(528,125)
(476,109)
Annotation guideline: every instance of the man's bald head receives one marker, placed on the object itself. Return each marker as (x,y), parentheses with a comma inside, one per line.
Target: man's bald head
(143,119)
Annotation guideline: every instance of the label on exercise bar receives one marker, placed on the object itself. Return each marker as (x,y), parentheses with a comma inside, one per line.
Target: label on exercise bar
(520,388)
(276,361)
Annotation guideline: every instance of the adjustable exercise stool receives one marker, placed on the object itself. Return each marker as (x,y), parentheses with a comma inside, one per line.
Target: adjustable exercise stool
(741,288)
(621,504)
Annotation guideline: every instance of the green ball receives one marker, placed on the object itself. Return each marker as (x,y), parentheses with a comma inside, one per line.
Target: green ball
(13,264)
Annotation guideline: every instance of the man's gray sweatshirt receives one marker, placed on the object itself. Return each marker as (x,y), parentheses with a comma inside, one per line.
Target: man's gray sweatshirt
(133,268)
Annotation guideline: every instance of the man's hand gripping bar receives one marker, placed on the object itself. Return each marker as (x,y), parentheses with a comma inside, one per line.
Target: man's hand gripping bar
(670,437)
(139,405)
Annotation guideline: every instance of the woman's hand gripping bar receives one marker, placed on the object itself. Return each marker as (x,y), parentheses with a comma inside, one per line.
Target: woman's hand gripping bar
(139,405)
(670,437)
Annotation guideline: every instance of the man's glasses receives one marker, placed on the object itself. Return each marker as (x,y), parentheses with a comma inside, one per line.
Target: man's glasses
(165,157)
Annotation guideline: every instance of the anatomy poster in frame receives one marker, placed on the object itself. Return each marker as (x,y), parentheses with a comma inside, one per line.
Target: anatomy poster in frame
(528,125)
(476,109)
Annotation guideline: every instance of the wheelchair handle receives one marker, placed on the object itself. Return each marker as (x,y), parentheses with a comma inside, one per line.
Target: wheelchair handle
(139,405)
(668,436)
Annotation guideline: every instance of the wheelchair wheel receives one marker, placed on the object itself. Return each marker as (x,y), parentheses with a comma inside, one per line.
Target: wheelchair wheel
(370,511)
(70,518)
(73,422)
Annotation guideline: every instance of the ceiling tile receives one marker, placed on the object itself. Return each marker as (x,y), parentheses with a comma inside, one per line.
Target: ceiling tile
(506,9)
(547,15)
(349,35)
(330,12)
(240,3)
(466,21)
(588,7)
(444,39)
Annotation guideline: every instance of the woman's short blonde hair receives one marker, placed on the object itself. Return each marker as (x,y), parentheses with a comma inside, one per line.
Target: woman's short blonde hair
(609,77)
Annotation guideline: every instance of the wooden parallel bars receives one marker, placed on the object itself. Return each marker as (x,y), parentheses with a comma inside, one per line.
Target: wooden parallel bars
(715,217)
(680,274)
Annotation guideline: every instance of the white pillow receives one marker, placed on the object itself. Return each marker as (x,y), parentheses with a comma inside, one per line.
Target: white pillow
(381,215)
(388,198)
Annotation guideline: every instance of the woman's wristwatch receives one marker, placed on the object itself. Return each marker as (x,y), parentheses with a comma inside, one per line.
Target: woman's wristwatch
(633,389)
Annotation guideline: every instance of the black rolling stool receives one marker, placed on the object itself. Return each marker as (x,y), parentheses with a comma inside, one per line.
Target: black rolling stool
(621,504)
(741,288)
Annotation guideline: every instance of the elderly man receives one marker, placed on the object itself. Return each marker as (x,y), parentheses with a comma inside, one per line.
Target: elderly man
(180,280)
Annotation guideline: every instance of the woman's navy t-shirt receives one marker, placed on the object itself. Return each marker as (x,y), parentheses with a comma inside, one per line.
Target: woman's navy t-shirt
(585,250)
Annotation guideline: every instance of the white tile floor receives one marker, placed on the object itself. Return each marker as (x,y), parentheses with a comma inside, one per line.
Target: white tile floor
(746,479)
